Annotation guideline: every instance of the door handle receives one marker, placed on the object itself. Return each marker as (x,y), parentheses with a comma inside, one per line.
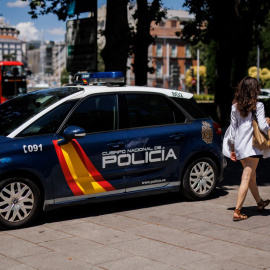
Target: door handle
(116,145)
(177,137)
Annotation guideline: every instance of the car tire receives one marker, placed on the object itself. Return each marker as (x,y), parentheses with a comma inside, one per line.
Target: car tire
(200,179)
(19,202)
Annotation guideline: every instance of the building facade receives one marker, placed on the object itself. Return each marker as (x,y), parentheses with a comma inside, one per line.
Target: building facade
(170,56)
(11,48)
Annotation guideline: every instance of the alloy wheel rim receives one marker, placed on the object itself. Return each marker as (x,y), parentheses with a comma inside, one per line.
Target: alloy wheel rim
(202,178)
(16,202)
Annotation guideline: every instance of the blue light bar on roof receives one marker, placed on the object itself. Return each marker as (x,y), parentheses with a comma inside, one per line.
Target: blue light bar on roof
(107,77)
(112,77)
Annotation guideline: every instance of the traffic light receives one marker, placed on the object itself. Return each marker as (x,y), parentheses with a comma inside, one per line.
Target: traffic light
(175,76)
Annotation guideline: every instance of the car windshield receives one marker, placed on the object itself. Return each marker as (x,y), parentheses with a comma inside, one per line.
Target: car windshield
(15,112)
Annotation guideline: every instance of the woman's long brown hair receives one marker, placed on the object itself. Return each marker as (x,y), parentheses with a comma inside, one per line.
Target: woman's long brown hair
(246,95)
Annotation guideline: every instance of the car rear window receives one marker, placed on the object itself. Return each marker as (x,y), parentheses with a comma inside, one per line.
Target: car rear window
(191,106)
(16,111)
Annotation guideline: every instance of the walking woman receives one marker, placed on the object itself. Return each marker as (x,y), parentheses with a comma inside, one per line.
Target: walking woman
(240,135)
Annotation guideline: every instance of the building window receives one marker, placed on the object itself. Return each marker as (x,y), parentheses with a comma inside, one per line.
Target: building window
(159,72)
(12,46)
(188,51)
(5,45)
(18,46)
(159,50)
(174,50)
(173,24)
(162,24)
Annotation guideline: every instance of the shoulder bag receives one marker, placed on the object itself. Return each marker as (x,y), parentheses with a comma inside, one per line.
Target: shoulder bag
(260,140)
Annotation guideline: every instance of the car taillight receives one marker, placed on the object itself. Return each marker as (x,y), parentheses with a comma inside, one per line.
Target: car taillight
(217,128)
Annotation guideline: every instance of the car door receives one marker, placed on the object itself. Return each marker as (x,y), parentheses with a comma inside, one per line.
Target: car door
(155,137)
(88,163)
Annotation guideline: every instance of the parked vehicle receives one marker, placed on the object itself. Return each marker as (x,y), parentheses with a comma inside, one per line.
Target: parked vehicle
(83,143)
(12,80)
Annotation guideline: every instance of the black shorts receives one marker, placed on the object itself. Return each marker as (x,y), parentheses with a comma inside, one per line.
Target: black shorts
(254,156)
(257,156)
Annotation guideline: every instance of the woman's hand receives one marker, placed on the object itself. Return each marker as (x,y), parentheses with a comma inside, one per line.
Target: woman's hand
(233,156)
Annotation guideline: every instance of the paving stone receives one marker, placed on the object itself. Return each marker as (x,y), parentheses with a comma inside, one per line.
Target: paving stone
(168,235)
(229,234)
(86,250)
(14,247)
(39,234)
(135,263)
(218,264)
(167,254)
(116,221)
(56,261)
(169,220)
(11,264)
(98,233)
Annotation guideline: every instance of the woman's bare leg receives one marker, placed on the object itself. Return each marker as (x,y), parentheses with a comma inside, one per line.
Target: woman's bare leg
(254,188)
(249,172)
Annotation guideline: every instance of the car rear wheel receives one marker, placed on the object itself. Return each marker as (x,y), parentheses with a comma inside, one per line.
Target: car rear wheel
(200,179)
(19,202)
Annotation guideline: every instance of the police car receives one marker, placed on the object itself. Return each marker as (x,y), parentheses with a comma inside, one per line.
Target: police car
(92,141)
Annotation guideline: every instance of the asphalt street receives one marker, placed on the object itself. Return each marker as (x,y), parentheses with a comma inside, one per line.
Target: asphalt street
(164,232)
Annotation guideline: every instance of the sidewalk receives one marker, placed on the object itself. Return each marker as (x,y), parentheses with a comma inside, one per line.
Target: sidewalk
(158,232)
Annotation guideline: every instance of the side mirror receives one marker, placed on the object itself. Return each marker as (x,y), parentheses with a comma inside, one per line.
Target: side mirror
(70,133)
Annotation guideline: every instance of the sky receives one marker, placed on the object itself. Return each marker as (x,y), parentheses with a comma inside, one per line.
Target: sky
(16,14)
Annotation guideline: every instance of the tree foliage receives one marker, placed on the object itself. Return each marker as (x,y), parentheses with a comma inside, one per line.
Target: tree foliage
(57,7)
(232,26)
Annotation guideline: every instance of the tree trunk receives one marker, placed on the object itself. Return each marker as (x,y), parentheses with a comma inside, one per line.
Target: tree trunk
(141,44)
(117,33)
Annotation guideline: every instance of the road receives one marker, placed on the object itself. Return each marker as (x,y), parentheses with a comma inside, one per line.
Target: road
(162,232)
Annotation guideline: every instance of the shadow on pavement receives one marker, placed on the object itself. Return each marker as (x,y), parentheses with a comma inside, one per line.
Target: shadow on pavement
(233,173)
(117,206)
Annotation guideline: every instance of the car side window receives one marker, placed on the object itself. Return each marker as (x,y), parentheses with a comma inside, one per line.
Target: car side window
(50,122)
(151,110)
(96,114)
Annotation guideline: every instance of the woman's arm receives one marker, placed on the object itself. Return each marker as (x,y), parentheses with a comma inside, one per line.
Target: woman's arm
(262,121)
(231,137)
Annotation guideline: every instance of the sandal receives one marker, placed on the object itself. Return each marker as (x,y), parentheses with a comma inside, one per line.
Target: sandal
(262,204)
(239,215)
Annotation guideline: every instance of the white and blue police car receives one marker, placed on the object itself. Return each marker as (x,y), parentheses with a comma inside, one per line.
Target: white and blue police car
(98,139)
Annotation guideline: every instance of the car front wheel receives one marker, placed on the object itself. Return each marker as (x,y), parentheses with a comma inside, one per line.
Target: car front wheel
(19,202)
(200,179)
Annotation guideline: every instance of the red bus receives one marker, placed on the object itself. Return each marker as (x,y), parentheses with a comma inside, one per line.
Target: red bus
(12,80)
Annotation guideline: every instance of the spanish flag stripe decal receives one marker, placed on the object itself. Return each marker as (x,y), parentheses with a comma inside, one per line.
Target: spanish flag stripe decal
(72,184)
(80,174)
(91,168)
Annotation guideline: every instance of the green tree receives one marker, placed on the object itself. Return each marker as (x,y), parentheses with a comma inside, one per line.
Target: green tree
(233,26)
(9,57)
(64,77)
(264,45)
